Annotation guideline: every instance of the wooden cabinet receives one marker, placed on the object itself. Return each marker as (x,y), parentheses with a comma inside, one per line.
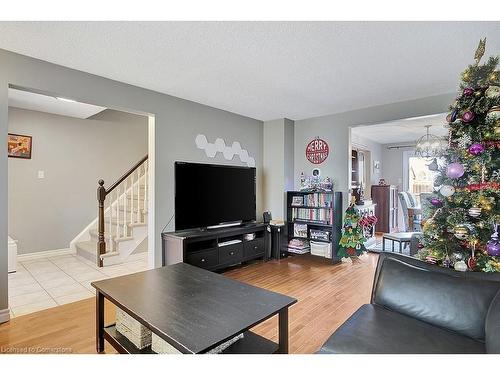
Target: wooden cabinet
(386,199)
(211,250)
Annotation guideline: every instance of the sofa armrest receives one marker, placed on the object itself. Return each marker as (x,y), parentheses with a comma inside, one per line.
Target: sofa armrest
(492,327)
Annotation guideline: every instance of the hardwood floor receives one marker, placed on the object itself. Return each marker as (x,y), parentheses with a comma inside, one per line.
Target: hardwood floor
(327,295)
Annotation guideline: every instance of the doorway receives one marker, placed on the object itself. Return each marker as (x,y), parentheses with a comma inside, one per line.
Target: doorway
(52,188)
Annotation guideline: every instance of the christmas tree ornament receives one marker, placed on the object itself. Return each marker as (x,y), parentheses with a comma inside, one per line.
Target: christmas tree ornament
(493,245)
(471,263)
(476,149)
(464,141)
(493,92)
(447,190)
(455,170)
(430,259)
(480,50)
(493,113)
(460,266)
(495,175)
(474,212)
(494,76)
(433,166)
(468,91)
(452,116)
(463,231)
(436,202)
(468,116)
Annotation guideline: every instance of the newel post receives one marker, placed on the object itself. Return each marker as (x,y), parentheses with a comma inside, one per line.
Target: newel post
(101,242)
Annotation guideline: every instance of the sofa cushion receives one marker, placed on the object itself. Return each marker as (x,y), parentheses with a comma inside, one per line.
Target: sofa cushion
(444,300)
(376,330)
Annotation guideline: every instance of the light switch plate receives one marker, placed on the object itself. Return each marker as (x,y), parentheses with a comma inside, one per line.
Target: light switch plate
(41,174)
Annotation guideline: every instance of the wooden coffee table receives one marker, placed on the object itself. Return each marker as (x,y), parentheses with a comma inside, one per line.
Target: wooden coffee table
(194,310)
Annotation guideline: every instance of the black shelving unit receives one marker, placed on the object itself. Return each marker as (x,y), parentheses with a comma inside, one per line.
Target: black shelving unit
(334,226)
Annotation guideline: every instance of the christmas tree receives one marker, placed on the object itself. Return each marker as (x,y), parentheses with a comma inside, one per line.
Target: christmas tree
(460,230)
(351,243)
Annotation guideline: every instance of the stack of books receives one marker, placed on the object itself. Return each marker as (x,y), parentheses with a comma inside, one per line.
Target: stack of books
(298,246)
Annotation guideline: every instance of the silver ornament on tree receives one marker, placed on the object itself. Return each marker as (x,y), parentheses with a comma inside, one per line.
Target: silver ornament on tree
(447,190)
(474,211)
(460,266)
(464,141)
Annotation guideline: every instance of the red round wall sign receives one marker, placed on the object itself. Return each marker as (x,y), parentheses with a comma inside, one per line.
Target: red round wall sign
(317,151)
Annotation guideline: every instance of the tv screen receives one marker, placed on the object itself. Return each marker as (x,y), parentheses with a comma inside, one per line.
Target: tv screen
(208,195)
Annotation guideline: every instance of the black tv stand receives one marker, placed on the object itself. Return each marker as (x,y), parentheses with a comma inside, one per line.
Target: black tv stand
(200,247)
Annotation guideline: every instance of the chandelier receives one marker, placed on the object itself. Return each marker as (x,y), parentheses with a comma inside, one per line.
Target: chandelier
(429,146)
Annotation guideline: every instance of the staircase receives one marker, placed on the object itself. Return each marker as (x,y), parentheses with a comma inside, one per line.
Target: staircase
(121,225)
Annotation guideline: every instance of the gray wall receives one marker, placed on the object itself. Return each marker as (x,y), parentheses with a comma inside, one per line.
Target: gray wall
(177,122)
(278,165)
(46,214)
(335,130)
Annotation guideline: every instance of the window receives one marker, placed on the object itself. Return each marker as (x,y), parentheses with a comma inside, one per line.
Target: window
(420,178)
(417,178)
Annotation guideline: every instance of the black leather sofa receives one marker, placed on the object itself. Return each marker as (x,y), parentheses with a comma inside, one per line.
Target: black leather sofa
(419,308)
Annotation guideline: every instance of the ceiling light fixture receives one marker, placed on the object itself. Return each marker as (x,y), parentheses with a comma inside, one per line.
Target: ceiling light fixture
(429,146)
(65,99)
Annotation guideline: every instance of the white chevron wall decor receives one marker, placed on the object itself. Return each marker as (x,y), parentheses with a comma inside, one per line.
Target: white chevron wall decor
(211,149)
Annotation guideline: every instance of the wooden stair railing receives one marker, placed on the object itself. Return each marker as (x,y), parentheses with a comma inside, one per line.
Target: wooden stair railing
(129,184)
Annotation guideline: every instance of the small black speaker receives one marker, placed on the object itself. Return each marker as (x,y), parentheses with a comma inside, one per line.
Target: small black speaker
(267,217)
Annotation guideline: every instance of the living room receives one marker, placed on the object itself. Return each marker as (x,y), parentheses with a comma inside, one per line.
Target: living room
(277,186)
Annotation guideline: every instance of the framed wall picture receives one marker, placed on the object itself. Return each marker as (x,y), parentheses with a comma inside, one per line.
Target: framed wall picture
(19,146)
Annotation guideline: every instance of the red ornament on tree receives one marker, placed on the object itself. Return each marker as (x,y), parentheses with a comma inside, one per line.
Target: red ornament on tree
(471,263)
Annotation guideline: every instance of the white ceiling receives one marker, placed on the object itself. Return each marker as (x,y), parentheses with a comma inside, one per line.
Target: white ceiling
(265,70)
(404,130)
(49,104)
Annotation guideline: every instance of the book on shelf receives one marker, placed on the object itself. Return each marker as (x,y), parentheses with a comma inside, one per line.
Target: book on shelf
(317,234)
(298,244)
(311,214)
(318,200)
(300,230)
(297,200)
(299,251)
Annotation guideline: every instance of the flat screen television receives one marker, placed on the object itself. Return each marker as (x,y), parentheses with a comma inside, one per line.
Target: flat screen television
(209,195)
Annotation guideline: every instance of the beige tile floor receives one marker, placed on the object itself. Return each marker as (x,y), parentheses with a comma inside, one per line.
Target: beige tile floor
(42,283)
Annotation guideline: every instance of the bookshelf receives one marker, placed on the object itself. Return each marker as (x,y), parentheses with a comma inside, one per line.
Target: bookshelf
(314,216)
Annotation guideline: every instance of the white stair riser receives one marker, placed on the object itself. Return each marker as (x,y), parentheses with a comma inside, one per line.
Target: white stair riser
(125,248)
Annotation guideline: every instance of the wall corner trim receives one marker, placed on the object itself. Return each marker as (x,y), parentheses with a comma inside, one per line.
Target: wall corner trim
(4,315)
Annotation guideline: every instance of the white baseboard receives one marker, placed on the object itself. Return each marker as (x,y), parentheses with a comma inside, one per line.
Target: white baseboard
(44,254)
(4,315)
